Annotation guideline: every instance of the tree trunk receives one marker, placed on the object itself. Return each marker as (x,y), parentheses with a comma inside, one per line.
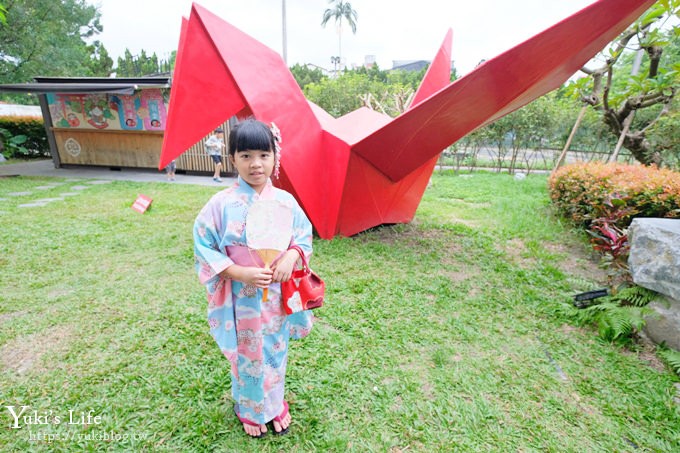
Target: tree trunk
(640,148)
(634,141)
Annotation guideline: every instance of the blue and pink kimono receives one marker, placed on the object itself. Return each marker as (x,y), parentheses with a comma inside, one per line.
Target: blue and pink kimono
(251,333)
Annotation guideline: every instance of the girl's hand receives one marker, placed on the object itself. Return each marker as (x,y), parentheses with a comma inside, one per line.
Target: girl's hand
(255,276)
(283,267)
(258,276)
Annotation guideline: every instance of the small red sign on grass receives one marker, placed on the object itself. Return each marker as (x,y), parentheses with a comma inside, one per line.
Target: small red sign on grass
(142,203)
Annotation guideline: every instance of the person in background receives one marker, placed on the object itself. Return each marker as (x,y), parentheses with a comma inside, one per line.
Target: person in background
(213,146)
(170,171)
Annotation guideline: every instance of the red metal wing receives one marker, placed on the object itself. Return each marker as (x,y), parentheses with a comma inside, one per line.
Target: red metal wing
(497,87)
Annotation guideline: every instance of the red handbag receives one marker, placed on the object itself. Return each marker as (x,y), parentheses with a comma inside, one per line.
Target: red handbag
(305,289)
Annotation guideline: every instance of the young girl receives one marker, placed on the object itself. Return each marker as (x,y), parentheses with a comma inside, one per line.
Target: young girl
(253,334)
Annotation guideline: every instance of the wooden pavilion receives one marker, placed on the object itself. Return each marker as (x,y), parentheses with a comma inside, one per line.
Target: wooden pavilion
(111,122)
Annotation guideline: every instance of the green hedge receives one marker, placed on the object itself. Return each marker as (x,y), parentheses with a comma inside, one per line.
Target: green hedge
(585,192)
(23,137)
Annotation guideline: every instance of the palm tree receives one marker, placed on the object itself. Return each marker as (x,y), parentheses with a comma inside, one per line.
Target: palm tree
(340,10)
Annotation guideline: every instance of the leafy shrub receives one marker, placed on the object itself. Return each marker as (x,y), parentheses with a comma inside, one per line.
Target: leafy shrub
(604,198)
(587,191)
(23,137)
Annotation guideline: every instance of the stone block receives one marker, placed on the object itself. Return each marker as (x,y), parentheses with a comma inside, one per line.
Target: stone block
(664,326)
(654,259)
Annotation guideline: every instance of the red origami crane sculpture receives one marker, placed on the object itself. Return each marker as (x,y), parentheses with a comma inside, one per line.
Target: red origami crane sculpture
(365,168)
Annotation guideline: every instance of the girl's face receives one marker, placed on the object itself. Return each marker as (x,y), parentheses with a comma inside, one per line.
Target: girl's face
(254,166)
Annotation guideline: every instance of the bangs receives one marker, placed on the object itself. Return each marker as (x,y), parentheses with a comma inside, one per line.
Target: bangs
(252,135)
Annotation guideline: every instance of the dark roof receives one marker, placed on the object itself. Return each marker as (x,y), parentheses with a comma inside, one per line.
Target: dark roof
(415,65)
(122,85)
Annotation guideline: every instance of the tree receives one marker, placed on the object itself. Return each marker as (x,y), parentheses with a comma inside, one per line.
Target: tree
(339,95)
(361,87)
(635,86)
(304,75)
(47,37)
(339,11)
(100,63)
(142,64)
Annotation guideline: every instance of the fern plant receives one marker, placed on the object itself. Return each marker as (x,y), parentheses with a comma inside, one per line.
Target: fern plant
(620,323)
(618,317)
(636,296)
(672,358)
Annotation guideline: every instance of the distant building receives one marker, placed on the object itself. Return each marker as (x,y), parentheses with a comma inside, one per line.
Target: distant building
(324,71)
(412,65)
(369,61)
(409,65)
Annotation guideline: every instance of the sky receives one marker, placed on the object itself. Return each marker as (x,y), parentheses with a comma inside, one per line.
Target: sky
(390,30)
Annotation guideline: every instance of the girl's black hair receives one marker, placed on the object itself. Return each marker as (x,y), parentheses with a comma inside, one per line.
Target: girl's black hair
(250,134)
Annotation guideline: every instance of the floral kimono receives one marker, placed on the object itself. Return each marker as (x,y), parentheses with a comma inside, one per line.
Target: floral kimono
(253,334)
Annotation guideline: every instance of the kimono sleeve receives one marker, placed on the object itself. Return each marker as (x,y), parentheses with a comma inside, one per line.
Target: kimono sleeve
(210,258)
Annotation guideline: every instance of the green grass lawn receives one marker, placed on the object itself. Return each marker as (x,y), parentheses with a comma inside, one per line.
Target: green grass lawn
(447,334)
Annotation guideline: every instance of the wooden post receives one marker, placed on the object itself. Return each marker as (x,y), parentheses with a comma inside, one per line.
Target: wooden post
(626,127)
(629,119)
(581,114)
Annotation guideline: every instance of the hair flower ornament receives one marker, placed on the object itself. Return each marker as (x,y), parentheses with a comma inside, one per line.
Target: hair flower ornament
(277,148)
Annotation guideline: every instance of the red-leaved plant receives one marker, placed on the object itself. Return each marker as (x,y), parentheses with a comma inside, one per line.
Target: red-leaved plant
(611,240)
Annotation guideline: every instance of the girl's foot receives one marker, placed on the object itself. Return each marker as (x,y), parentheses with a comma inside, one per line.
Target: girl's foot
(282,421)
(256,431)
(251,428)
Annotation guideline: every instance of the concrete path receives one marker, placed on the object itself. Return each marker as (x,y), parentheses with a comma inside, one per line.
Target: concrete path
(46,168)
